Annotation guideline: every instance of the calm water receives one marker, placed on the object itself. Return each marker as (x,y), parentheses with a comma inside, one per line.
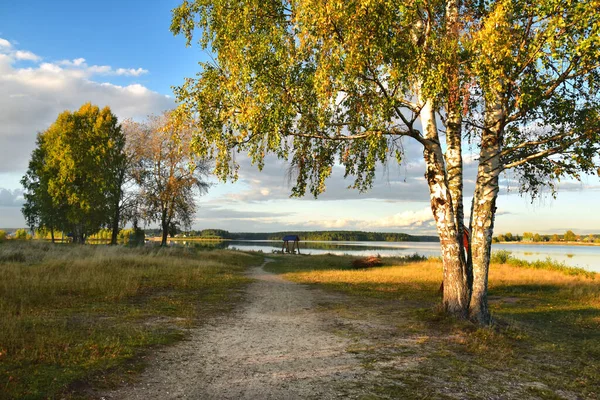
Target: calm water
(587,257)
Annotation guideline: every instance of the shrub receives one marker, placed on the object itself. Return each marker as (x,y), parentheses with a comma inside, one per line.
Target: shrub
(415,257)
(22,234)
(2,235)
(367,262)
(500,257)
(132,237)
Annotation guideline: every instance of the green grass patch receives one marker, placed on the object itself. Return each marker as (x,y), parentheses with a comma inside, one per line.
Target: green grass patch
(73,314)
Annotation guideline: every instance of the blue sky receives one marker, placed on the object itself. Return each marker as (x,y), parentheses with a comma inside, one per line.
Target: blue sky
(57,55)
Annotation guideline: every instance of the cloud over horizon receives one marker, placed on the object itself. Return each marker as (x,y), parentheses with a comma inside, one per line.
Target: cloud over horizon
(35,92)
(11,198)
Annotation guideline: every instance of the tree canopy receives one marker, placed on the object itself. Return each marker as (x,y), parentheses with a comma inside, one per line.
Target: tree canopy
(167,174)
(72,178)
(342,82)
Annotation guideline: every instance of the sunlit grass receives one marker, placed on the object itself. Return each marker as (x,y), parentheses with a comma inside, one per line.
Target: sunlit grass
(69,312)
(399,275)
(546,330)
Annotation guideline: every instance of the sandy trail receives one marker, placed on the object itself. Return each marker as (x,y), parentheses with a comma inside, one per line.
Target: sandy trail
(275,346)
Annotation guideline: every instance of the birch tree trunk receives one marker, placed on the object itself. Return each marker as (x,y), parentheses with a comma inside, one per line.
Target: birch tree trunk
(453,156)
(454,165)
(455,290)
(484,210)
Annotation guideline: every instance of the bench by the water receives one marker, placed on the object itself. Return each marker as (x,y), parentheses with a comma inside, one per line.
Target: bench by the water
(294,240)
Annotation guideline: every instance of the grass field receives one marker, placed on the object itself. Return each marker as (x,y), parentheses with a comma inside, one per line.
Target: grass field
(74,316)
(545,342)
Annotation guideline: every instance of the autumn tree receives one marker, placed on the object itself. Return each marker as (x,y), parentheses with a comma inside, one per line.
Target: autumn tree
(73,172)
(319,83)
(169,176)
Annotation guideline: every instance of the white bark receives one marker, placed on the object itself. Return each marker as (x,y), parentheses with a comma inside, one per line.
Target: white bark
(455,289)
(484,210)
(453,156)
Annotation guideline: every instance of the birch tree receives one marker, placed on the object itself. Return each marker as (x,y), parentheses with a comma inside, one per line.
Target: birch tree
(325,82)
(537,66)
(168,175)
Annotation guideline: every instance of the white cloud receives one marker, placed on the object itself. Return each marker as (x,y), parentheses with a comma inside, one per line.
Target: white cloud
(413,219)
(73,63)
(408,220)
(81,65)
(26,55)
(138,90)
(131,71)
(48,67)
(99,69)
(32,98)
(342,223)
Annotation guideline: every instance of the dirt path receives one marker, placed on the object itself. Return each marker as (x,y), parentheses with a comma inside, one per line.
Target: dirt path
(276,346)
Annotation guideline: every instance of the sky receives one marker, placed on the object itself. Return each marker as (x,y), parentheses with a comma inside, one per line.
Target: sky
(58,55)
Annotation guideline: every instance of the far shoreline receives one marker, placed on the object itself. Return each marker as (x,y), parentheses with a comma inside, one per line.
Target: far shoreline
(550,243)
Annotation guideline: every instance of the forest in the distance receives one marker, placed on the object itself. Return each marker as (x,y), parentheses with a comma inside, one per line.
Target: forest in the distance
(355,236)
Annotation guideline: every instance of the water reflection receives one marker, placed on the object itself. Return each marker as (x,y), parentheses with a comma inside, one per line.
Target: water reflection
(362,249)
(587,257)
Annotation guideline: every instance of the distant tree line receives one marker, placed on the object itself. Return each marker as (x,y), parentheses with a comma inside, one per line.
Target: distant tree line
(91,175)
(568,236)
(358,236)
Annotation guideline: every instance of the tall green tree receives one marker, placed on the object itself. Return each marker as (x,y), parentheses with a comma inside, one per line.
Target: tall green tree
(79,158)
(40,210)
(320,83)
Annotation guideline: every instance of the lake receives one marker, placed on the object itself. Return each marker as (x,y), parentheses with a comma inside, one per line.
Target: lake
(587,257)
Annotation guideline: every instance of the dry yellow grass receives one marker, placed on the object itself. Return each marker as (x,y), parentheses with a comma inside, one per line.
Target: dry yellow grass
(427,276)
(419,276)
(545,342)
